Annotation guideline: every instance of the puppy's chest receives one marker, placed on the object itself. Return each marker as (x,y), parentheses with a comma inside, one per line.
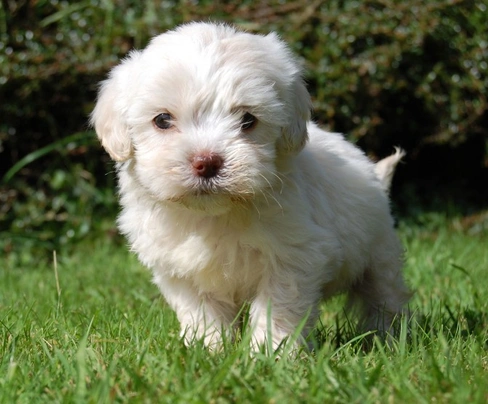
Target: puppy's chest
(217,261)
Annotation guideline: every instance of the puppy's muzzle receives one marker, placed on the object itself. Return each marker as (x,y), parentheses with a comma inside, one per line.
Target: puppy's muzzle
(206,165)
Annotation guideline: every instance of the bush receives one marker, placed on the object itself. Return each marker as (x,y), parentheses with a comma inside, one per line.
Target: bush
(386,72)
(409,73)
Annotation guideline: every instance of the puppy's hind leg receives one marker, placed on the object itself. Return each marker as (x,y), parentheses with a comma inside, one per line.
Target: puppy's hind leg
(381,294)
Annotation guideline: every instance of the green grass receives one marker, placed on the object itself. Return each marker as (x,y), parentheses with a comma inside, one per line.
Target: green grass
(106,336)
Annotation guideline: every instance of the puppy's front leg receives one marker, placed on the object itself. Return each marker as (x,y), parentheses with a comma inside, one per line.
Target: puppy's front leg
(200,315)
(280,308)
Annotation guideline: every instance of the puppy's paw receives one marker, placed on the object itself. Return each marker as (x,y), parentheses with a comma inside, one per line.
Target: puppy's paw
(211,337)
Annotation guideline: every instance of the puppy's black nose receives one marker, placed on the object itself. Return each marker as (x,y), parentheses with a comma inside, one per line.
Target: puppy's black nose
(206,165)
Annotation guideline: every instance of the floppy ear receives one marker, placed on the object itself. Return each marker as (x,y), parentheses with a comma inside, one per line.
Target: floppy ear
(295,135)
(296,99)
(110,114)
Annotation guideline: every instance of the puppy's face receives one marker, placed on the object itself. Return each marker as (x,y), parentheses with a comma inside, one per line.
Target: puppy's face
(204,113)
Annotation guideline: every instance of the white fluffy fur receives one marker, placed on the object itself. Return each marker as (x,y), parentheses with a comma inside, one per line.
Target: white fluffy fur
(295,214)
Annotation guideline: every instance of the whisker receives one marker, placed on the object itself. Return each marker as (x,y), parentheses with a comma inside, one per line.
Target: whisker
(264,194)
(282,182)
(278,176)
(257,209)
(277,202)
(269,183)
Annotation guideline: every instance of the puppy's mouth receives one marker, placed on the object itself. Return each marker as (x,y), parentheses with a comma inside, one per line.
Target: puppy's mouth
(212,191)
(208,186)
(213,196)
(209,203)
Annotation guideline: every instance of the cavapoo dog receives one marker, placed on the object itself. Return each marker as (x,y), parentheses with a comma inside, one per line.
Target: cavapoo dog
(232,196)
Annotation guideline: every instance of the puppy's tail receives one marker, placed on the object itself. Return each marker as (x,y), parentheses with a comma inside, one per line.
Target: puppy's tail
(385,169)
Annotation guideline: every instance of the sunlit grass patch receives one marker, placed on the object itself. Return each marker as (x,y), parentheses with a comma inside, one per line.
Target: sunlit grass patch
(103,334)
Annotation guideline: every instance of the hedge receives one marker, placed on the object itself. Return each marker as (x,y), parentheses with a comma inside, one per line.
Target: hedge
(386,73)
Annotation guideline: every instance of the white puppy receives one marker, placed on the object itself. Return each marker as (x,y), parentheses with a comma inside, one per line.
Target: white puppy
(231,195)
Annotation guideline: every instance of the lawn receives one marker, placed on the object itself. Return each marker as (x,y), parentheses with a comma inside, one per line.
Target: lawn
(98,332)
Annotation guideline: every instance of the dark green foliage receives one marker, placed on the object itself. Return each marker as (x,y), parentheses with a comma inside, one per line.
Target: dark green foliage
(409,73)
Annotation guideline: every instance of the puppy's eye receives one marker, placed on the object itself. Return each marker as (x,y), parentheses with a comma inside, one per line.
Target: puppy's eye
(163,121)
(248,122)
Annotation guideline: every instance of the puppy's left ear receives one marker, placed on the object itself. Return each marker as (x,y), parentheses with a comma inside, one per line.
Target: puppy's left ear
(294,136)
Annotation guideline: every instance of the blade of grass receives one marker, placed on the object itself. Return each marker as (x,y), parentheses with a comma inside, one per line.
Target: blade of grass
(37,154)
(62,14)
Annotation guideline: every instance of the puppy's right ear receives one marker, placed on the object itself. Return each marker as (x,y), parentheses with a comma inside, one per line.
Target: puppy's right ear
(109,118)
